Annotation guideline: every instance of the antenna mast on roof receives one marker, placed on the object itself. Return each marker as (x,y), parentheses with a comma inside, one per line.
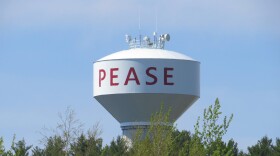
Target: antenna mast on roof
(157,43)
(155,33)
(147,43)
(139,25)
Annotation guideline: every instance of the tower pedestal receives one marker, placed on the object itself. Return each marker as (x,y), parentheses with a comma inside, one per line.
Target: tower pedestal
(132,129)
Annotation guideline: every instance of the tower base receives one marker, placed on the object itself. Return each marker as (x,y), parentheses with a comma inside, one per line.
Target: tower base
(138,130)
(133,129)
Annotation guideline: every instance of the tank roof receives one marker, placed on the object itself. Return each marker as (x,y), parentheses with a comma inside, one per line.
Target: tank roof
(145,53)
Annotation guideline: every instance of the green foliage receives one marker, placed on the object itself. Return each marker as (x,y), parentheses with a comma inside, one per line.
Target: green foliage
(80,147)
(265,147)
(181,142)
(105,151)
(17,149)
(20,148)
(36,151)
(231,148)
(276,147)
(117,147)
(196,147)
(9,152)
(55,146)
(2,149)
(68,129)
(212,133)
(241,153)
(158,139)
(87,146)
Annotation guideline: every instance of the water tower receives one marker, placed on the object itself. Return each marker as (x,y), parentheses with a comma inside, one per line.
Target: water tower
(133,84)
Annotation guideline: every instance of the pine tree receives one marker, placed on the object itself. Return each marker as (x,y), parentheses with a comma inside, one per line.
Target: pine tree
(38,151)
(20,148)
(2,149)
(262,148)
(276,147)
(55,146)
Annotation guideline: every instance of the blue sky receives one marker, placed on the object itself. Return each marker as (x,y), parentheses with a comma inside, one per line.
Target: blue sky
(47,49)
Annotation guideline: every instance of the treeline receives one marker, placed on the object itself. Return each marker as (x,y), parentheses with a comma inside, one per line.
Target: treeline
(69,139)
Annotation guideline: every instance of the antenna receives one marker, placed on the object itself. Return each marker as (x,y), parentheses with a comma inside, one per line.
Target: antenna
(156,25)
(156,12)
(139,24)
(156,15)
(157,43)
(147,43)
(139,20)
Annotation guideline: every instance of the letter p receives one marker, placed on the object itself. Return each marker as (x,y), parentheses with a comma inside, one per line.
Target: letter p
(102,75)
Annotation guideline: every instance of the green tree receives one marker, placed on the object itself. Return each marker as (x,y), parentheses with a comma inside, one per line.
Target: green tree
(181,143)
(231,148)
(94,140)
(158,139)
(87,146)
(105,151)
(80,146)
(94,146)
(20,148)
(55,146)
(117,147)
(90,144)
(36,151)
(2,149)
(262,148)
(68,129)
(241,153)
(212,132)
(196,147)
(276,147)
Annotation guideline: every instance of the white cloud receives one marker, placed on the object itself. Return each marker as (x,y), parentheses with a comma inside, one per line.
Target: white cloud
(248,15)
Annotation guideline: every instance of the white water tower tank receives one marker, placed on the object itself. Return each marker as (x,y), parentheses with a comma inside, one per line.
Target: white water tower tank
(133,84)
